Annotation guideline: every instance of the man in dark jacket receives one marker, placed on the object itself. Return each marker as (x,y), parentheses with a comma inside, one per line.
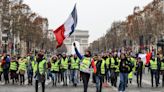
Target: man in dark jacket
(99,76)
(40,71)
(6,66)
(125,67)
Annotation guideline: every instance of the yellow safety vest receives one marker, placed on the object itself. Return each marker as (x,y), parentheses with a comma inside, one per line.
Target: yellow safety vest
(55,66)
(33,64)
(85,65)
(41,67)
(130,75)
(75,63)
(117,66)
(1,69)
(13,65)
(103,67)
(64,63)
(162,66)
(133,61)
(22,65)
(153,64)
(107,63)
(112,63)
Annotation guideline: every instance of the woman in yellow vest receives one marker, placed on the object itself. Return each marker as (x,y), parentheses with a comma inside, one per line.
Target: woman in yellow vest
(64,69)
(22,70)
(101,70)
(74,69)
(162,68)
(153,69)
(85,66)
(13,69)
(55,69)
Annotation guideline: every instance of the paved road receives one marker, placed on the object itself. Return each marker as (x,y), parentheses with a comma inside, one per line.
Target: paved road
(131,87)
(49,88)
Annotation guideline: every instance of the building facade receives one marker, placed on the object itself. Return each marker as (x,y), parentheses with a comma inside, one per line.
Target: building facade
(81,36)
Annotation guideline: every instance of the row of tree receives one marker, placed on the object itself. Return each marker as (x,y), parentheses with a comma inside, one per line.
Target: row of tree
(142,29)
(27,29)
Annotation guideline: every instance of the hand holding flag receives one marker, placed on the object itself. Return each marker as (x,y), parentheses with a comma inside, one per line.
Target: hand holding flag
(67,28)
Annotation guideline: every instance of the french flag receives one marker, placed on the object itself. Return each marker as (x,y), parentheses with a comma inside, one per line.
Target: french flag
(67,28)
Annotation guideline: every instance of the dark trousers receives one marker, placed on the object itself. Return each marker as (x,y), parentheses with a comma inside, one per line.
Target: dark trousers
(163,80)
(139,79)
(6,75)
(85,78)
(154,74)
(162,75)
(113,78)
(158,76)
(22,79)
(1,76)
(36,86)
(13,75)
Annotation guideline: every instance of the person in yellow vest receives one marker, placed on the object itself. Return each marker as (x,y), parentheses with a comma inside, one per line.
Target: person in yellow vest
(22,70)
(13,69)
(139,70)
(64,68)
(101,70)
(74,69)
(162,68)
(30,67)
(114,64)
(153,69)
(133,61)
(1,70)
(40,71)
(107,66)
(85,66)
(124,68)
(55,69)
(106,59)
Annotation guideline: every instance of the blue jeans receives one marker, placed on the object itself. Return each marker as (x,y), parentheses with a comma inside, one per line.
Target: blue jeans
(123,81)
(154,73)
(49,74)
(55,76)
(99,79)
(64,77)
(108,75)
(74,76)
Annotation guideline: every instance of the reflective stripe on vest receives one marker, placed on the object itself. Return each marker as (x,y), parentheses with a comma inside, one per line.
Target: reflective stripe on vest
(74,63)
(85,65)
(153,64)
(64,63)
(55,66)
(13,66)
(162,66)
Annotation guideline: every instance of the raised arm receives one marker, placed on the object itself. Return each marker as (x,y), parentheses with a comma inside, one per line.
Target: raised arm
(77,52)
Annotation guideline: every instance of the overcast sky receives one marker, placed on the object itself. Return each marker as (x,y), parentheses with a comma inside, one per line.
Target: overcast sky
(93,15)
